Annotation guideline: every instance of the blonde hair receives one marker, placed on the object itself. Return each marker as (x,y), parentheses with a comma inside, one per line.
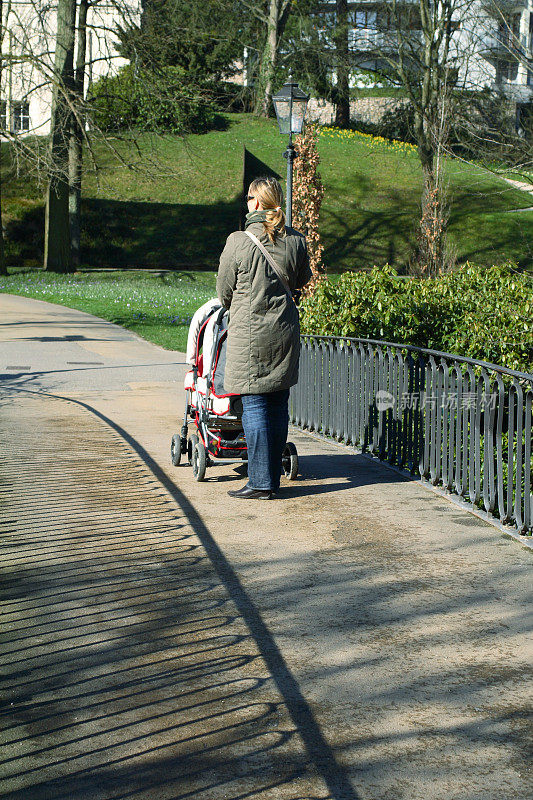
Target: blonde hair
(270,194)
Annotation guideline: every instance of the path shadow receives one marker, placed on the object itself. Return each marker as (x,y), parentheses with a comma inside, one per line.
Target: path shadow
(134,659)
(66,338)
(342,472)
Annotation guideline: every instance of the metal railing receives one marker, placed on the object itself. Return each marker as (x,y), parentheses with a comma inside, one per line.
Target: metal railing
(461,424)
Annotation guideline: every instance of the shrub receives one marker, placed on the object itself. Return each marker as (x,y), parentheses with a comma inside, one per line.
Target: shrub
(142,99)
(484,127)
(480,312)
(232,97)
(307,199)
(398,123)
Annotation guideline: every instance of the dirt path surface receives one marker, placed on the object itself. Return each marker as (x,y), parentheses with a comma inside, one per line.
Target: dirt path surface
(359,638)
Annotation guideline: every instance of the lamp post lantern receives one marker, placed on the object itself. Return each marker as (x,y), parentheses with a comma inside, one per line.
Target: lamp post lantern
(290,104)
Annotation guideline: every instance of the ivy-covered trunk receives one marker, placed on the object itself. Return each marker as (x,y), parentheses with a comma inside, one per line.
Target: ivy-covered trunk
(431,124)
(431,231)
(76,137)
(57,244)
(342,89)
(3,267)
(278,13)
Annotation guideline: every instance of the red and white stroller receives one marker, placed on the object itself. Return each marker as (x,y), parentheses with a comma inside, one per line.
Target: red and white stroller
(215,413)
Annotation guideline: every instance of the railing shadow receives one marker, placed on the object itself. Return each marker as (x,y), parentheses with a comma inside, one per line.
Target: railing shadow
(138,664)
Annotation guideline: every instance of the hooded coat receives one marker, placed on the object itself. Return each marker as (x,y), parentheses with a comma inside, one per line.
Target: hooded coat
(264,329)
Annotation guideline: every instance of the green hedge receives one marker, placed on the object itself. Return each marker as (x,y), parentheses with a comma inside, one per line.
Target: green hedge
(484,313)
(145,100)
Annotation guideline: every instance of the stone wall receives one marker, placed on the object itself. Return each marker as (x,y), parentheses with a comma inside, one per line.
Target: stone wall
(320,111)
(363,109)
(372,109)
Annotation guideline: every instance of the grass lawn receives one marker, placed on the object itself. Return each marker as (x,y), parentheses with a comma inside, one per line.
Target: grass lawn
(157,307)
(177,213)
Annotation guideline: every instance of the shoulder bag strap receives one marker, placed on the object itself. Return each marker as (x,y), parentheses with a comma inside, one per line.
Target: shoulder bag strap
(272,263)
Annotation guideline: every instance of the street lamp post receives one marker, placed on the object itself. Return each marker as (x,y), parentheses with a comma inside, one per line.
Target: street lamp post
(290,104)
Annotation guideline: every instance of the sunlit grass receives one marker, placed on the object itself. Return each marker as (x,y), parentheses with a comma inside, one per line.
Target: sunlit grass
(157,307)
(171,202)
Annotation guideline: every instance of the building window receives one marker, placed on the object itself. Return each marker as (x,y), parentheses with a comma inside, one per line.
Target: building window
(3,114)
(385,18)
(365,19)
(20,116)
(509,31)
(506,71)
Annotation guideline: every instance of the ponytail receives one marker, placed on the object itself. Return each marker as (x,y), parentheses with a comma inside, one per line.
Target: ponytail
(274,222)
(270,194)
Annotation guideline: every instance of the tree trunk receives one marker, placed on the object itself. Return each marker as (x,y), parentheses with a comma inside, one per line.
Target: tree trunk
(424,140)
(421,61)
(76,137)
(3,267)
(342,91)
(278,14)
(57,245)
(432,230)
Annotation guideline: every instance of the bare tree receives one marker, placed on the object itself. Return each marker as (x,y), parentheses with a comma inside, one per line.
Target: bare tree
(275,21)
(496,124)
(3,266)
(77,134)
(317,45)
(423,64)
(433,49)
(43,44)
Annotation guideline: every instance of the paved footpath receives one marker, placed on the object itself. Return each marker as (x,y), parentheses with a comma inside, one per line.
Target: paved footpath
(360,638)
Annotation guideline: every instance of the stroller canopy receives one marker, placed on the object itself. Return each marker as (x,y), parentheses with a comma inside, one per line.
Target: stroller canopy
(206,343)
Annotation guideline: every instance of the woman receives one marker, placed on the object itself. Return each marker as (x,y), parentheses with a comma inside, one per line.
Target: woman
(264,331)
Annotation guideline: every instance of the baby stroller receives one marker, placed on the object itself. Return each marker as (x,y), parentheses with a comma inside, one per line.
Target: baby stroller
(216,414)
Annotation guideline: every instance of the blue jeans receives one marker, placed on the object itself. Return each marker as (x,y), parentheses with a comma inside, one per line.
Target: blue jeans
(265,419)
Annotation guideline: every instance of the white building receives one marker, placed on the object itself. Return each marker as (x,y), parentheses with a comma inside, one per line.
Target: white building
(494,39)
(491,43)
(28,57)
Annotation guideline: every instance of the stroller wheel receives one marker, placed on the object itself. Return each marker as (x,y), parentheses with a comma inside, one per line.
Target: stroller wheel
(191,444)
(175,450)
(199,460)
(289,461)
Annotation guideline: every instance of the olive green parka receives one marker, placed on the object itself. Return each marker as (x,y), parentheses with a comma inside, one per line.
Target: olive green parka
(264,329)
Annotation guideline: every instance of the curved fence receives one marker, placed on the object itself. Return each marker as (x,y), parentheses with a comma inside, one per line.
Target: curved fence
(461,424)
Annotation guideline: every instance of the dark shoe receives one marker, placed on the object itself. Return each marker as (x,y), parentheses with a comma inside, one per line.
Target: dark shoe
(251,494)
